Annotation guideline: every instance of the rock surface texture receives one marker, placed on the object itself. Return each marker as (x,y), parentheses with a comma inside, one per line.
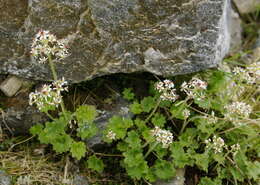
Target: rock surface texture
(164,37)
(4,178)
(247,6)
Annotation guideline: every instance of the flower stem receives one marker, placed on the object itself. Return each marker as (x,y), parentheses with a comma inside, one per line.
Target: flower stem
(55,77)
(150,149)
(152,113)
(53,70)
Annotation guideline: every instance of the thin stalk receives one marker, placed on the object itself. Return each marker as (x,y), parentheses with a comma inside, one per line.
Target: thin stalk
(55,77)
(150,149)
(184,126)
(50,116)
(152,113)
(53,70)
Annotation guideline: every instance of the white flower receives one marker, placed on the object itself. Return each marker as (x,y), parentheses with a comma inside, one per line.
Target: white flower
(111,135)
(192,88)
(244,75)
(162,136)
(238,109)
(216,143)
(235,148)
(167,90)
(186,113)
(48,95)
(60,85)
(46,45)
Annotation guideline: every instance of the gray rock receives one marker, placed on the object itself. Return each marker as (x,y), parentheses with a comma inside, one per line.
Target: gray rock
(164,37)
(20,116)
(235,32)
(4,178)
(247,6)
(178,180)
(120,109)
(80,180)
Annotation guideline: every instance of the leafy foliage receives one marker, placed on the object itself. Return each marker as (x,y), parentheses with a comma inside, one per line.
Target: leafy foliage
(197,131)
(95,163)
(55,132)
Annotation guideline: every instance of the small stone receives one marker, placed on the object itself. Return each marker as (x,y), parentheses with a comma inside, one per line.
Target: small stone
(247,6)
(4,178)
(11,85)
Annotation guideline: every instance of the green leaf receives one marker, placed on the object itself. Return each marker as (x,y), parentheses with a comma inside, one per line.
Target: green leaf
(188,138)
(119,126)
(140,124)
(203,102)
(218,81)
(138,171)
(86,114)
(133,140)
(95,163)
(158,120)
(150,176)
(164,169)
(219,158)
(204,125)
(62,143)
(253,169)
(202,161)
(135,164)
(147,135)
(78,150)
(181,158)
(208,181)
(148,103)
(128,94)
(136,108)
(87,131)
(236,173)
(36,129)
(122,146)
(133,157)
(161,152)
(177,110)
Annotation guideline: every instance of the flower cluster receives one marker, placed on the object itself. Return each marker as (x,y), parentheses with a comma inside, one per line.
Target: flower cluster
(167,90)
(49,95)
(211,118)
(254,69)
(46,45)
(111,135)
(186,113)
(244,75)
(193,86)
(235,148)
(216,143)
(238,109)
(162,136)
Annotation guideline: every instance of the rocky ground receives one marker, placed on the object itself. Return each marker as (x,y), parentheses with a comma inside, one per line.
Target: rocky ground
(23,158)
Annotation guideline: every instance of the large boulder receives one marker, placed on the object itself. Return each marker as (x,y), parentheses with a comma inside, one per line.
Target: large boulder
(164,37)
(247,6)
